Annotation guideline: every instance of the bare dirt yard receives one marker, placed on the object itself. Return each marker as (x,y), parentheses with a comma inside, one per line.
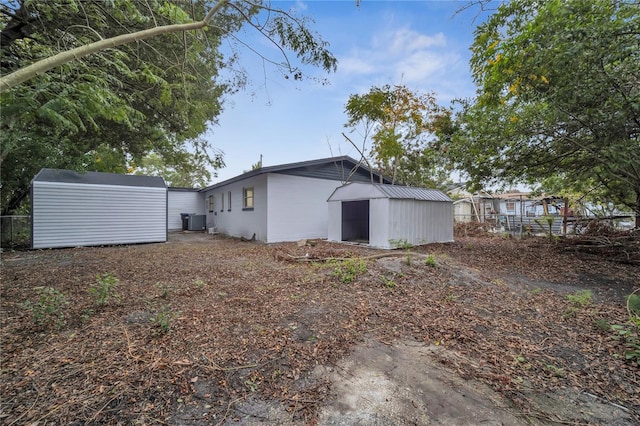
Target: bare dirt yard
(207,330)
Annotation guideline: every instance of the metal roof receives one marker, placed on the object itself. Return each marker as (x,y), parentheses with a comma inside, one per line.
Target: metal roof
(363,191)
(324,168)
(411,193)
(98,178)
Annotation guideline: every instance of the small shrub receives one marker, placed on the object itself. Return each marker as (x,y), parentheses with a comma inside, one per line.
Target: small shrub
(48,308)
(104,289)
(580,298)
(388,282)
(347,270)
(200,284)
(163,289)
(431,261)
(405,245)
(163,320)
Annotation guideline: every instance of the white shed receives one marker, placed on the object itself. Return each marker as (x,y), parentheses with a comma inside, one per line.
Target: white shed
(71,209)
(387,216)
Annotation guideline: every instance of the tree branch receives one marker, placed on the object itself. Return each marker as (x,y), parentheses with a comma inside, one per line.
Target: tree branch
(20,76)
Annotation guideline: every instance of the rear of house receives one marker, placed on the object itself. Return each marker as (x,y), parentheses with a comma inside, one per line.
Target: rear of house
(72,209)
(281,203)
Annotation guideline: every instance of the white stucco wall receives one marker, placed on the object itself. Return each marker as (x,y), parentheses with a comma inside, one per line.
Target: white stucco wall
(298,207)
(237,222)
(181,201)
(70,214)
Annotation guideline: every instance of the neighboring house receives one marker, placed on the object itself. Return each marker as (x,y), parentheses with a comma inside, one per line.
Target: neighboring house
(287,202)
(183,200)
(71,209)
(388,216)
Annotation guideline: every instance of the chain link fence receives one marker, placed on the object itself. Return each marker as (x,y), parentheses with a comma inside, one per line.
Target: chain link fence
(15,231)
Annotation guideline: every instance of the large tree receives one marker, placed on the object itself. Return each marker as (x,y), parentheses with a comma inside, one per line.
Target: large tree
(125,98)
(403,128)
(558,98)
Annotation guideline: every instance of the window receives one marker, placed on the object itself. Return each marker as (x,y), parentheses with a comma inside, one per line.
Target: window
(229,201)
(222,202)
(511,206)
(247,198)
(211,203)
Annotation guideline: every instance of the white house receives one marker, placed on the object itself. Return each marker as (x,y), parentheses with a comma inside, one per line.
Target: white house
(388,216)
(72,209)
(281,203)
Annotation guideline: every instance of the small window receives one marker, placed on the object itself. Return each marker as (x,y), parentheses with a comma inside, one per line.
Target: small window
(211,205)
(229,201)
(247,198)
(511,206)
(222,202)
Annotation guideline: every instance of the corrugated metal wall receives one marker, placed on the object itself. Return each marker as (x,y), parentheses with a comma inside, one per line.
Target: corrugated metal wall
(69,215)
(420,222)
(180,201)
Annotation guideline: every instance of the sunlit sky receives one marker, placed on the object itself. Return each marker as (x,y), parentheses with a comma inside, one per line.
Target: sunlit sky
(421,44)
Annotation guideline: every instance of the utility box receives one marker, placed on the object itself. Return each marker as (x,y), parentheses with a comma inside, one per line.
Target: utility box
(197,222)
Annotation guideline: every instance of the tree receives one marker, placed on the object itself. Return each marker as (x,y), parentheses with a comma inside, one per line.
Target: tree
(403,127)
(152,95)
(558,100)
(187,174)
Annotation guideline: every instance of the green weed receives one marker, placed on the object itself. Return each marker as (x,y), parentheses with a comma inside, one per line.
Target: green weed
(431,261)
(388,282)
(347,270)
(104,289)
(49,307)
(163,319)
(581,298)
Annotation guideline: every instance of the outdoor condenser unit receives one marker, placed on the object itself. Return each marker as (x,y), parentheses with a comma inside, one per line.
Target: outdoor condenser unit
(197,222)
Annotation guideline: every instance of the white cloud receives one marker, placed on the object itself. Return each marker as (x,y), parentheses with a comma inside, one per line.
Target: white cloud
(425,65)
(355,65)
(406,41)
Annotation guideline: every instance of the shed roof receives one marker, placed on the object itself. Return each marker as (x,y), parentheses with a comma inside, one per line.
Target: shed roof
(332,168)
(357,190)
(98,178)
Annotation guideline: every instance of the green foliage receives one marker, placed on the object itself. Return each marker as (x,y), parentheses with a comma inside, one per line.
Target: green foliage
(163,289)
(630,332)
(49,307)
(405,129)
(163,320)
(104,289)
(580,299)
(388,282)
(431,261)
(405,245)
(108,110)
(557,99)
(348,270)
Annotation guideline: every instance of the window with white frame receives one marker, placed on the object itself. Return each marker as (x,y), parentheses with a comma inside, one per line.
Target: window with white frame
(222,202)
(511,206)
(229,201)
(211,204)
(247,198)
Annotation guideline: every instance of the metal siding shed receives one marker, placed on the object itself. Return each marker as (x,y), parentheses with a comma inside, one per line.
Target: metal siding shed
(72,209)
(395,214)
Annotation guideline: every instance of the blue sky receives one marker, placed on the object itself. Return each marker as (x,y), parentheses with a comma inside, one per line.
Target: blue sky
(421,44)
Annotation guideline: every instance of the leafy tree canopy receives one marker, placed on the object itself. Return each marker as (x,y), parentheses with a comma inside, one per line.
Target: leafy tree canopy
(558,99)
(403,127)
(119,104)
